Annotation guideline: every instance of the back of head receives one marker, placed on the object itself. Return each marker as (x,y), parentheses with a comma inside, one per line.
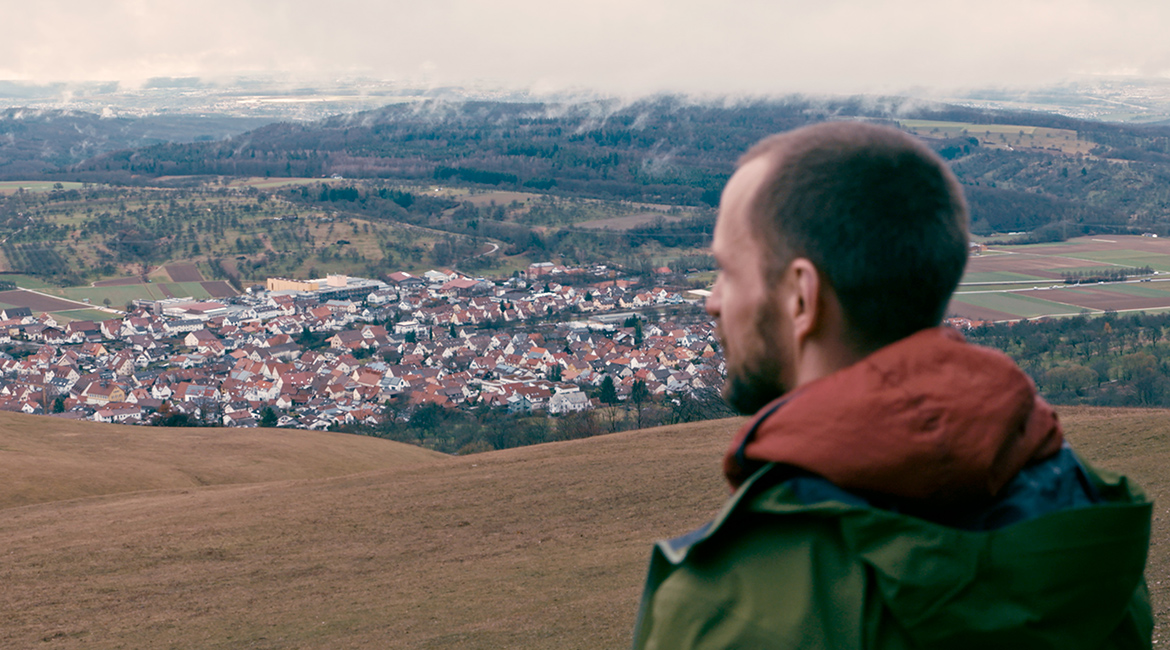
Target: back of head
(876,212)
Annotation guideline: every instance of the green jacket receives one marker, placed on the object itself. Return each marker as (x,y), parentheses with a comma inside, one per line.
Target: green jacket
(772,571)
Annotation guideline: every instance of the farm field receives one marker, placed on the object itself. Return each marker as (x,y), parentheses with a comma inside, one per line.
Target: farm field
(118,282)
(83,314)
(1002,135)
(988,277)
(36,301)
(481,199)
(11,187)
(184,273)
(628,222)
(543,210)
(120,295)
(71,303)
(218,289)
(25,281)
(267,183)
(1006,306)
(1013,282)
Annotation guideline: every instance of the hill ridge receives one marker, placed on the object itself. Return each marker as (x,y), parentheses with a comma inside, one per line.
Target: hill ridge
(45,459)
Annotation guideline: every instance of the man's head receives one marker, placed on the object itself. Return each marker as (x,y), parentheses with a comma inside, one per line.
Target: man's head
(844,235)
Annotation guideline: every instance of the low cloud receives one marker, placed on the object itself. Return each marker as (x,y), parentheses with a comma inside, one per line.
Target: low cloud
(749,46)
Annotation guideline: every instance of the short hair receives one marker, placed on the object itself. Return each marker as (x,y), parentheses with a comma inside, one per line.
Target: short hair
(877,212)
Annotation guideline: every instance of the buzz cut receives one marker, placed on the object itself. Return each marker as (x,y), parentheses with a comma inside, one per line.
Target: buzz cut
(876,211)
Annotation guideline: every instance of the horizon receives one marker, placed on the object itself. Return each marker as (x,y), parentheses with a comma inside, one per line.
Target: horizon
(276,97)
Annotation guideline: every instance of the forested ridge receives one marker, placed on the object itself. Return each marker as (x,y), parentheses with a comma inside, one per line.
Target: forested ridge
(665,150)
(40,143)
(674,151)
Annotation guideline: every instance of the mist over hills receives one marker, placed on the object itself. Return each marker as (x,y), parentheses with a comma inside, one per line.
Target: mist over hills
(36,142)
(669,150)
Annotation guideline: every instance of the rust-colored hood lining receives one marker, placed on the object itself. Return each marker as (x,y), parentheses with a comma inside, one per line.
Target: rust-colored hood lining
(929,417)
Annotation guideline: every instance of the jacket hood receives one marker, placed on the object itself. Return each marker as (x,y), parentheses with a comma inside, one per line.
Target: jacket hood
(928,417)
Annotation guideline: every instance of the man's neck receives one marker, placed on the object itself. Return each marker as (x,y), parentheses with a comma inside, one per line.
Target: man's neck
(823,358)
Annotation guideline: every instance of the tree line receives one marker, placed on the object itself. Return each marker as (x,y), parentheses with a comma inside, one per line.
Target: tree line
(481,428)
(1110,360)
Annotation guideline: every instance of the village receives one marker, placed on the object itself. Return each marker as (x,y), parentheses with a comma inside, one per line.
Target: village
(318,354)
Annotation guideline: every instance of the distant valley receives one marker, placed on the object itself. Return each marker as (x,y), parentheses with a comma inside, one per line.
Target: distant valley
(504,253)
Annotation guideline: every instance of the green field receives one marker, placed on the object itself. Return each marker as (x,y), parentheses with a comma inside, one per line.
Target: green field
(1021,305)
(119,296)
(1062,300)
(1001,276)
(271,183)
(26,281)
(84,314)
(984,288)
(1128,258)
(1004,278)
(1143,289)
(36,186)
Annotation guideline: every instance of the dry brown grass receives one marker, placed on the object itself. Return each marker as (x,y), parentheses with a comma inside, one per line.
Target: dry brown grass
(1001,136)
(1135,442)
(45,459)
(542,547)
(498,198)
(628,222)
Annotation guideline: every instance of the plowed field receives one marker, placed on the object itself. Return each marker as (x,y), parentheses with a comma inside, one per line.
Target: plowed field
(1013,282)
(36,301)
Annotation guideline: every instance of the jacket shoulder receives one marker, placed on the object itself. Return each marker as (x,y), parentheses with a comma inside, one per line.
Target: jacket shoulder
(838,573)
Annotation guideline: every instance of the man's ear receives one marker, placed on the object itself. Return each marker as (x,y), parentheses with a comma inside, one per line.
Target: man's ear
(803,299)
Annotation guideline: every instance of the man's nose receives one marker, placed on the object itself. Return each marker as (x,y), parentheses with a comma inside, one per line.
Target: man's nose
(713,301)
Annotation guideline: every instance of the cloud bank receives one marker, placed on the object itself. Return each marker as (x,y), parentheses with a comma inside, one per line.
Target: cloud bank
(623,47)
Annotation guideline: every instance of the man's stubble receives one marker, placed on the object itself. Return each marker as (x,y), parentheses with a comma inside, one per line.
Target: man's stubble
(758,379)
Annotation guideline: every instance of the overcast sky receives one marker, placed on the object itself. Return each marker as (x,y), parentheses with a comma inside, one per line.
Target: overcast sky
(612,46)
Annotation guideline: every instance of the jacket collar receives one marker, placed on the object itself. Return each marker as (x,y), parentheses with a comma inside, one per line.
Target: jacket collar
(927,417)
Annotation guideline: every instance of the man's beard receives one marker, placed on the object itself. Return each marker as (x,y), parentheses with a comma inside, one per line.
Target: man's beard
(750,387)
(758,380)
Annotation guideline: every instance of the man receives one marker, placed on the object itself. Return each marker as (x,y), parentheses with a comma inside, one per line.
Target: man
(897,487)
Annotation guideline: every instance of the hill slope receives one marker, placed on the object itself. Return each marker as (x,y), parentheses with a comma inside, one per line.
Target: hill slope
(539,547)
(45,459)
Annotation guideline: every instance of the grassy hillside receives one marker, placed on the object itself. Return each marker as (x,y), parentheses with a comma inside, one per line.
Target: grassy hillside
(45,460)
(540,547)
